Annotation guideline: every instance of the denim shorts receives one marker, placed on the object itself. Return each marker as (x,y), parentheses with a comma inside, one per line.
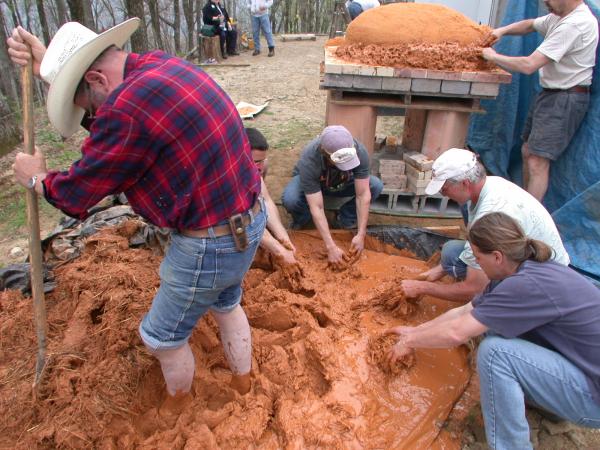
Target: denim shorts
(554,117)
(197,274)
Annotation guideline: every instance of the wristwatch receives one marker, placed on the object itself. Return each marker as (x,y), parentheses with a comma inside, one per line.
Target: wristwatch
(31,182)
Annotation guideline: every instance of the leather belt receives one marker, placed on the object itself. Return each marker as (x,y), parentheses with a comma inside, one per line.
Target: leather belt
(580,89)
(225,229)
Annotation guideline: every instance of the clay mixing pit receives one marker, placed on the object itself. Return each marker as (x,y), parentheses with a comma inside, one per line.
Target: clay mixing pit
(423,59)
(318,380)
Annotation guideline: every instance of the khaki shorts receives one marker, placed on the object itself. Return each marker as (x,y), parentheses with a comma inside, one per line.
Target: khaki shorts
(553,119)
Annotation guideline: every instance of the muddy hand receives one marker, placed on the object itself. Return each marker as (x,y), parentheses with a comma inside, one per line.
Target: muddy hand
(397,353)
(287,245)
(336,258)
(352,256)
(489,40)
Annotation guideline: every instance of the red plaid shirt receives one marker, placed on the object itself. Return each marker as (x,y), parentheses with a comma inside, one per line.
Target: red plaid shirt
(169,138)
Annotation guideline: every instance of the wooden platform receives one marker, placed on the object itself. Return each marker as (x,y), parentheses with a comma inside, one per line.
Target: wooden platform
(437,103)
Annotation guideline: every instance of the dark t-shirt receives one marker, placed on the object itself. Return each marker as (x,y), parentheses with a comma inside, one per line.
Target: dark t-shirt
(316,174)
(550,305)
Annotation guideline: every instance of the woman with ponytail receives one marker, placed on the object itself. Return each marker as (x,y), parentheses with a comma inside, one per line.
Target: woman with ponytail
(541,322)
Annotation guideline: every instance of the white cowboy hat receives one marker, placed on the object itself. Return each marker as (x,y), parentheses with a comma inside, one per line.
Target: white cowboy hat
(71,52)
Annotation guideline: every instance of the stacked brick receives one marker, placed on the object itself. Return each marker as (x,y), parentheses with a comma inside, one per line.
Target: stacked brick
(392,173)
(418,172)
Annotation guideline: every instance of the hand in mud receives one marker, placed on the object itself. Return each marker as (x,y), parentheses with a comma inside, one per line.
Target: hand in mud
(352,256)
(358,244)
(288,245)
(433,274)
(400,330)
(398,352)
(490,39)
(336,258)
(287,256)
(412,288)
(488,53)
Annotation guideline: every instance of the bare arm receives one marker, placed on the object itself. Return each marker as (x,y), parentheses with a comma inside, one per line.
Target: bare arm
(274,224)
(517,28)
(451,329)
(474,283)
(522,64)
(363,199)
(315,203)
(272,245)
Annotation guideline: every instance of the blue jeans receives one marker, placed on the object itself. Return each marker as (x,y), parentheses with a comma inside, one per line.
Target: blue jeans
(354,9)
(513,372)
(294,201)
(262,22)
(450,261)
(197,274)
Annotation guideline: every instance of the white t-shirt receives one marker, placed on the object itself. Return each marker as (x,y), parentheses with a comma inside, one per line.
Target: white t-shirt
(500,195)
(571,44)
(259,7)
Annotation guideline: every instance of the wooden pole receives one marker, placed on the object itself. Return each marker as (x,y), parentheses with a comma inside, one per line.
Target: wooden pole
(33,221)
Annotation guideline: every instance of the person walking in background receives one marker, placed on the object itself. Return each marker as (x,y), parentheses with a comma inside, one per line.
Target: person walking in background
(259,10)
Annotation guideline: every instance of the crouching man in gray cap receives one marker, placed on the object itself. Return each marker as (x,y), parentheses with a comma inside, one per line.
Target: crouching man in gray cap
(335,165)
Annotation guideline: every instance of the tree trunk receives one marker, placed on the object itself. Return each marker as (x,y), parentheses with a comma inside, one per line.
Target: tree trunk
(8,76)
(139,39)
(198,24)
(78,13)
(108,7)
(177,27)
(43,21)
(188,14)
(61,13)
(155,21)
(89,16)
(14,11)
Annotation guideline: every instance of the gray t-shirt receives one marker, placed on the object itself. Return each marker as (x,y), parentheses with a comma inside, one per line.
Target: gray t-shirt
(552,306)
(316,174)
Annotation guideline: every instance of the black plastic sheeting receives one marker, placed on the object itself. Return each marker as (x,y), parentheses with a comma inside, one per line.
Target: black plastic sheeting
(17,276)
(423,243)
(66,242)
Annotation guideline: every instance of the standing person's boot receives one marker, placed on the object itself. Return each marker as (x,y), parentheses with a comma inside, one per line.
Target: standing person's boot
(256,52)
(271,51)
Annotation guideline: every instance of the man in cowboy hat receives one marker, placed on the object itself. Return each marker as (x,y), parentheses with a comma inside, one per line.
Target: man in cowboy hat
(165,134)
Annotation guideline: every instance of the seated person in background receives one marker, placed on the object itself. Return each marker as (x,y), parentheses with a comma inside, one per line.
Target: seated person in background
(356,7)
(275,238)
(541,322)
(458,175)
(335,165)
(215,14)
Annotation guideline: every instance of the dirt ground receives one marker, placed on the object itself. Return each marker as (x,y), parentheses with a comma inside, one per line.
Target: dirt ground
(295,114)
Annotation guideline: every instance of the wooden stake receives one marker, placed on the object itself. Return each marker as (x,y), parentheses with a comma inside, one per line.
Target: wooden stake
(33,221)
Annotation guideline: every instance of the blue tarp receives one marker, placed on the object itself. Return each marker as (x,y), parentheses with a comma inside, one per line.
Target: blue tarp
(573,196)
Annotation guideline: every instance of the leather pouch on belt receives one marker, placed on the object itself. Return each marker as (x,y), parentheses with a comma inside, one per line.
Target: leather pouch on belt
(238,231)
